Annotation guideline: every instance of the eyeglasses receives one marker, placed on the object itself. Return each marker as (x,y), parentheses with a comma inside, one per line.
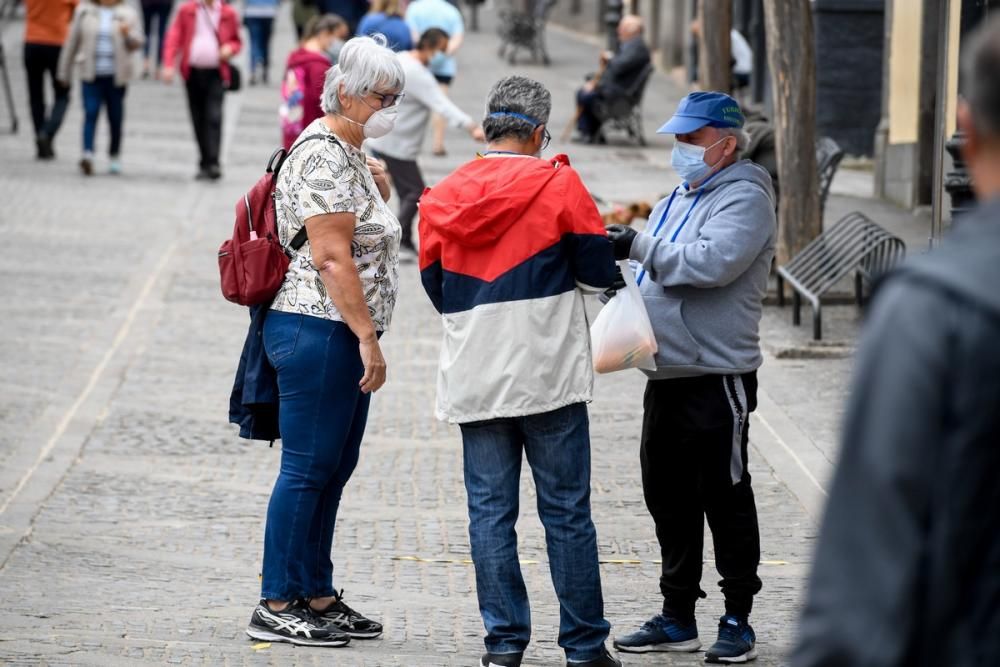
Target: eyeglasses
(546,137)
(387,100)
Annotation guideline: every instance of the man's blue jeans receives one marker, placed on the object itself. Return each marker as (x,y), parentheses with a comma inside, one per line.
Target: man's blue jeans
(557,445)
(322,417)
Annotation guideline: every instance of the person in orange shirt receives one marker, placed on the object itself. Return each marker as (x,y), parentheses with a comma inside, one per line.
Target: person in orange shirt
(46,26)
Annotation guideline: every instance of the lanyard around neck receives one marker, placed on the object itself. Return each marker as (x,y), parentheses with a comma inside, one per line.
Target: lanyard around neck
(663,218)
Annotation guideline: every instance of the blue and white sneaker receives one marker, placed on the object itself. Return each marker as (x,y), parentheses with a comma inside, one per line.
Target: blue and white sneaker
(735,643)
(661,634)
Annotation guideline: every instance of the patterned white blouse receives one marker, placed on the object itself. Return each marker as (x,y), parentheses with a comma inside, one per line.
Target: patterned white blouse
(329,175)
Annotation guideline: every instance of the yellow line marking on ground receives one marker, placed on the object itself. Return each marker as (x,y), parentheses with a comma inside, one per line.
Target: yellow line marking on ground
(603,561)
(98,371)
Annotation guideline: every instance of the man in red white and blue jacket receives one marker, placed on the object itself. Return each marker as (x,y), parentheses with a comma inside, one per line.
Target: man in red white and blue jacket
(508,245)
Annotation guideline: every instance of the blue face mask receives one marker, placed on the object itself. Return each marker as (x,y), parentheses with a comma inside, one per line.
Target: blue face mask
(438,60)
(688,161)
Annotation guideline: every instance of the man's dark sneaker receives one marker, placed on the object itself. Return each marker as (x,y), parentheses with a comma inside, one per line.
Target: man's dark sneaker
(735,643)
(606,660)
(341,617)
(44,148)
(661,634)
(501,660)
(295,624)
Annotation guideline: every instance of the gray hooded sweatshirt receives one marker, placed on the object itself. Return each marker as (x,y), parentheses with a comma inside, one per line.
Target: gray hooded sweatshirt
(703,273)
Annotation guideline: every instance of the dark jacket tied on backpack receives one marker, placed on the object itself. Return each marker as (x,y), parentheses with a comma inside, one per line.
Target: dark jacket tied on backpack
(253,404)
(252,266)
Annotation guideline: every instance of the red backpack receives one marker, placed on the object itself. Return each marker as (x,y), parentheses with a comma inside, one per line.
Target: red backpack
(252,264)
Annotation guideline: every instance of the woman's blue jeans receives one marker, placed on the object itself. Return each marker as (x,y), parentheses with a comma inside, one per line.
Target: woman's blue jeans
(102,91)
(322,418)
(557,445)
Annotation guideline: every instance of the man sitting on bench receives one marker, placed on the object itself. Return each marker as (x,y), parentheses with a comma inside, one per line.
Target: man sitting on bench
(616,78)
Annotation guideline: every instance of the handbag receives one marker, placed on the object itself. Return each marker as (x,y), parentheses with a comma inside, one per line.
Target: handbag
(235,76)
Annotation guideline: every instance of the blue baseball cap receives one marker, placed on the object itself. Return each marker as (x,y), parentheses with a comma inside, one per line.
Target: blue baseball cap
(700,109)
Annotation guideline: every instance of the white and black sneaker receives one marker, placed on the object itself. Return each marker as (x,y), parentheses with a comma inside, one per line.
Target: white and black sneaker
(341,617)
(295,624)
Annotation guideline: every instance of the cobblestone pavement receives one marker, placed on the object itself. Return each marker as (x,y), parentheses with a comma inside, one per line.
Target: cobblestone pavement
(131,516)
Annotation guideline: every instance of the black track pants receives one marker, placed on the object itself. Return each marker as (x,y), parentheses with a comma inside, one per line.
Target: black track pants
(694,465)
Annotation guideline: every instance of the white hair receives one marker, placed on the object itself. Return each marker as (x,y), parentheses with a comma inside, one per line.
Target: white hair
(366,64)
(742,138)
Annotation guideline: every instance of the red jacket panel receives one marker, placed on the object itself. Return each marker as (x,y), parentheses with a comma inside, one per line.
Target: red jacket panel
(181,33)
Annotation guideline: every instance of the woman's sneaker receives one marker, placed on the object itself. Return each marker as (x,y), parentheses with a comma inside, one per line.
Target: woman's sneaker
(660,634)
(295,624)
(735,643)
(341,617)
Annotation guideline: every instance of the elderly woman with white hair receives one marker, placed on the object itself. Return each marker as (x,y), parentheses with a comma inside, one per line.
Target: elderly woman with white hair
(322,337)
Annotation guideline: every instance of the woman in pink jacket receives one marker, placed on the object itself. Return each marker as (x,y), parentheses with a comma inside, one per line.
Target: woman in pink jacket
(203,38)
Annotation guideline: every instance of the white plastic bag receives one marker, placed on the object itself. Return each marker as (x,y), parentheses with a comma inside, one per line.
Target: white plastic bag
(622,336)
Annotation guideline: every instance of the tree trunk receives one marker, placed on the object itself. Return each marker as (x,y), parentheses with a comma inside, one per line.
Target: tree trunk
(792,60)
(715,19)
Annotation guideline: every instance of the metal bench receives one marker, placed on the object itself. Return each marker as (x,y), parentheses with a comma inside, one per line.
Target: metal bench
(624,113)
(853,244)
(828,157)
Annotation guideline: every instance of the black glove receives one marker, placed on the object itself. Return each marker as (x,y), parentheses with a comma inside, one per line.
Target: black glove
(617,284)
(621,239)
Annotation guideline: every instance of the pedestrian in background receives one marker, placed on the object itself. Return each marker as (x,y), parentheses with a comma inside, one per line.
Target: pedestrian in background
(305,74)
(203,38)
(258,15)
(321,336)
(400,148)
(102,38)
(46,25)
(508,243)
(619,72)
(422,15)
(906,565)
(349,10)
(386,18)
(159,11)
(302,12)
(705,259)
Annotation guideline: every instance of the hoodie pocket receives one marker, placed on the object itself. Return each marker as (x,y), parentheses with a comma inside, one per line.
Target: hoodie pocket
(675,344)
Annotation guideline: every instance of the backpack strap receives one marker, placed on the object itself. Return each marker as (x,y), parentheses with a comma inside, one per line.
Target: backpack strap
(272,168)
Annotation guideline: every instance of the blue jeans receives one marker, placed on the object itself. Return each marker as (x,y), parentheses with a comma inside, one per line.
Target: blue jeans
(557,445)
(322,418)
(260,40)
(103,91)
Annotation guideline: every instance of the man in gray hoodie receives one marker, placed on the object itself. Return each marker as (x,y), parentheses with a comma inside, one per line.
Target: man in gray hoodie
(703,267)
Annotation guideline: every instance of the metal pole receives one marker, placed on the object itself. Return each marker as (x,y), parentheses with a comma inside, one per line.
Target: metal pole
(940,113)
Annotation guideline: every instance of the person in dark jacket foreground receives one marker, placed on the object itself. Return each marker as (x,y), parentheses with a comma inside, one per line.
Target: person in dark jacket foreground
(907,567)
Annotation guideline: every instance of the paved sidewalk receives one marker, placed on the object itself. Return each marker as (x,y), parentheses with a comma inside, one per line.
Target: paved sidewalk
(131,516)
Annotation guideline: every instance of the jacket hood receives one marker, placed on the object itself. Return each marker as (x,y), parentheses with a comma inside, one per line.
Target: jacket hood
(301,56)
(744,170)
(968,260)
(479,201)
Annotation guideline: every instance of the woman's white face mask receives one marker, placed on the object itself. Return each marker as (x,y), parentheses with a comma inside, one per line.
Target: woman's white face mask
(379,123)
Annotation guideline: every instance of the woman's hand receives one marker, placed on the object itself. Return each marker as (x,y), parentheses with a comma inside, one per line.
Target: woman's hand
(374,362)
(226,52)
(377,168)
